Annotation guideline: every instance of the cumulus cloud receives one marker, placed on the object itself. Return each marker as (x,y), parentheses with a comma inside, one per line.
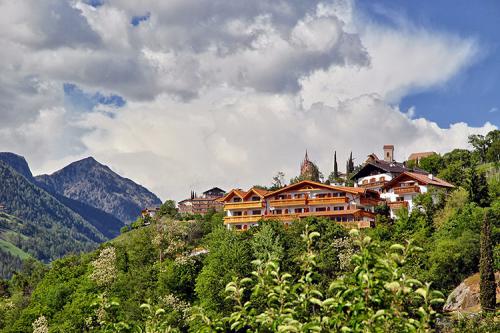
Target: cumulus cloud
(217,93)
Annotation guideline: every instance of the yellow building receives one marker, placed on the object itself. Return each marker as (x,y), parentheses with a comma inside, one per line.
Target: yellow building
(352,206)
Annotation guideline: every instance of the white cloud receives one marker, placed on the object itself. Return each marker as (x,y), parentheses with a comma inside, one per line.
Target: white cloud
(218,93)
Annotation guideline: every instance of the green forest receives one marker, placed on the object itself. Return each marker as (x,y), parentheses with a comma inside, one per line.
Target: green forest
(179,273)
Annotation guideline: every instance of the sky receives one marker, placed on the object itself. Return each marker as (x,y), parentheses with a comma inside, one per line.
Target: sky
(185,95)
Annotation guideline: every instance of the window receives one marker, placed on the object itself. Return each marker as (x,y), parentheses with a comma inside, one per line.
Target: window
(382,179)
(238,227)
(342,194)
(237,214)
(298,210)
(255,198)
(236,199)
(321,209)
(338,208)
(256,212)
(298,196)
(278,211)
(372,180)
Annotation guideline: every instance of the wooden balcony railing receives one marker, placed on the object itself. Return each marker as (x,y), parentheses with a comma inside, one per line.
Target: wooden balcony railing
(243,205)
(373,184)
(243,219)
(407,189)
(369,201)
(327,201)
(397,205)
(287,202)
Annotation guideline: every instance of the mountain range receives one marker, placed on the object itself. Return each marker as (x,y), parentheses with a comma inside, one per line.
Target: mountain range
(69,211)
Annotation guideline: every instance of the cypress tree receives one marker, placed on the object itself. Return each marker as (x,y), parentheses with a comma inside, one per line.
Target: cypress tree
(335,167)
(487,275)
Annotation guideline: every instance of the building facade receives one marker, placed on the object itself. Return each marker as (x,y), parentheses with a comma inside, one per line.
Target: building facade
(351,206)
(401,191)
(375,173)
(202,204)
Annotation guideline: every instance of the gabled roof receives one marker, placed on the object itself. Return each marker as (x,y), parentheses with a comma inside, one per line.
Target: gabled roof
(420,178)
(214,189)
(384,166)
(260,192)
(238,192)
(353,190)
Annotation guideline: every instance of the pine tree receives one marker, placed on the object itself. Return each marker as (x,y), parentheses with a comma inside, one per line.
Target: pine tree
(335,167)
(487,284)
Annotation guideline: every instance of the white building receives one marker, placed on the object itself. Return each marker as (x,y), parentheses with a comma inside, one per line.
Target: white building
(401,191)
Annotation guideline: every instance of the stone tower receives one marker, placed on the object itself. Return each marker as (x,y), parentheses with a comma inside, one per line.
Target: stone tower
(389,153)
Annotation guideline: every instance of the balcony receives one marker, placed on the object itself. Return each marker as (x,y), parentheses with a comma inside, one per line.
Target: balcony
(407,190)
(287,202)
(327,201)
(369,201)
(243,205)
(397,205)
(242,219)
(379,183)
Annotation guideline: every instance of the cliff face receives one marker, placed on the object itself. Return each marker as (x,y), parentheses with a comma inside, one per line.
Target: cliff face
(18,163)
(95,184)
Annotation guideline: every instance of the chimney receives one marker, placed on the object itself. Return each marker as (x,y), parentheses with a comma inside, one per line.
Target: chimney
(389,153)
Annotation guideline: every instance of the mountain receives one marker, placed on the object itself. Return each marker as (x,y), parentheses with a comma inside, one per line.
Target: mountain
(33,222)
(96,185)
(18,163)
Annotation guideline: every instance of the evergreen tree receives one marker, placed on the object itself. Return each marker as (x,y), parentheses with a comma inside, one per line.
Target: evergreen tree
(478,188)
(350,165)
(487,284)
(335,167)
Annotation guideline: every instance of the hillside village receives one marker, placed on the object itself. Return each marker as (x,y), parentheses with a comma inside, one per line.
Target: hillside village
(350,199)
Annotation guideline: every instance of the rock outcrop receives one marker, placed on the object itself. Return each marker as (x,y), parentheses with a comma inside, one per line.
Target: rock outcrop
(465,297)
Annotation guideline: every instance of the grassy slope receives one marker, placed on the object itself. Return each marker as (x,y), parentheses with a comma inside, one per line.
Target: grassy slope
(12,249)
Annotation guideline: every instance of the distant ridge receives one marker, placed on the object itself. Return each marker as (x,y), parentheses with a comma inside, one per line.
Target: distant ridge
(18,163)
(96,185)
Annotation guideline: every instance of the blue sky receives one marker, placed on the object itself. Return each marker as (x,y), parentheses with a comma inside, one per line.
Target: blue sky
(473,95)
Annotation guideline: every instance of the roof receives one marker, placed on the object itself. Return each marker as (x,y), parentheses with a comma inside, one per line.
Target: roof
(416,156)
(353,190)
(388,146)
(424,179)
(392,167)
(238,192)
(259,191)
(217,189)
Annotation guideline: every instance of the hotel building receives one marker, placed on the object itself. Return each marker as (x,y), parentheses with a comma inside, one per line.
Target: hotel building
(351,206)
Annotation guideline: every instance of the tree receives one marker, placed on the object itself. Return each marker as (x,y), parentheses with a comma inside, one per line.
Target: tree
(350,165)
(432,164)
(375,297)
(480,144)
(168,209)
(487,283)
(478,188)
(278,181)
(335,167)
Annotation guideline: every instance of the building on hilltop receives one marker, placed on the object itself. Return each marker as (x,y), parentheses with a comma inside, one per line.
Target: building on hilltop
(202,204)
(353,207)
(375,172)
(402,190)
(416,157)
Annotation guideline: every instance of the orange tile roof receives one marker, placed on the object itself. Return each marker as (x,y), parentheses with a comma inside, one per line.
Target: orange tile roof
(415,156)
(425,179)
(353,190)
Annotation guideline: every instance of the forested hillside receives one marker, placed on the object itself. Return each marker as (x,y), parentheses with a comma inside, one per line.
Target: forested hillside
(189,273)
(37,224)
